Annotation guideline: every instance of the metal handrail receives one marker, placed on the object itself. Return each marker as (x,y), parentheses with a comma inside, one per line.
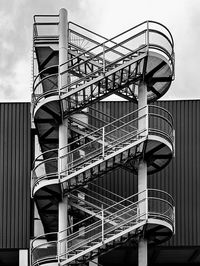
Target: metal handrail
(107,213)
(98,225)
(93,198)
(106,39)
(170,40)
(108,191)
(117,203)
(102,203)
(108,125)
(98,71)
(163,192)
(43,71)
(105,123)
(92,129)
(98,130)
(163,132)
(167,216)
(164,110)
(98,55)
(76,82)
(100,195)
(148,30)
(89,155)
(45,236)
(98,35)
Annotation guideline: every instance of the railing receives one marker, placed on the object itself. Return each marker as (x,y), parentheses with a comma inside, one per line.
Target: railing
(98,196)
(97,55)
(90,128)
(41,82)
(45,28)
(115,135)
(40,91)
(87,206)
(153,34)
(149,35)
(160,123)
(160,206)
(44,249)
(120,131)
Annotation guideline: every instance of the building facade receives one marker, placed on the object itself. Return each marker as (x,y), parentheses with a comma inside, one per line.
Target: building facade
(182,183)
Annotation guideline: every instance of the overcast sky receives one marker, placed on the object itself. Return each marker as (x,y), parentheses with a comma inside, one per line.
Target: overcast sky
(107,17)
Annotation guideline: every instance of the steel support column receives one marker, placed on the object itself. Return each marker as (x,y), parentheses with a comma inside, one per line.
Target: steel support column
(142,172)
(63,129)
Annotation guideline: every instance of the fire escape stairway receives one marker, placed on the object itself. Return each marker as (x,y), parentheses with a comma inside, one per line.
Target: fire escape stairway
(93,77)
(89,84)
(117,226)
(107,227)
(96,153)
(111,226)
(115,66)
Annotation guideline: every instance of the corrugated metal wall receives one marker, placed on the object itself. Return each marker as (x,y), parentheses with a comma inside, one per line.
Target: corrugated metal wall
(180,178)
(15,157)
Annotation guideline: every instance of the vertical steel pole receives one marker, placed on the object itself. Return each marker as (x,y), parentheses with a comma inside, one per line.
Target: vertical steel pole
(104,62)
(102,224)
(63,127)
(142,172)
(147,35)
(103,140)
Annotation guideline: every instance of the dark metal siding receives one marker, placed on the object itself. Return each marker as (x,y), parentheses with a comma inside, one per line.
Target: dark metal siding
(15,151)
(181,178)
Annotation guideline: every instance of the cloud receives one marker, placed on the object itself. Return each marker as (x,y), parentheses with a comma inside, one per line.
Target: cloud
(16,19)
(15,48)
(107,18)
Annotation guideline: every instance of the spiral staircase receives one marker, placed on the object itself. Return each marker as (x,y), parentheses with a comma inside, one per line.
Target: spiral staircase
(99,220)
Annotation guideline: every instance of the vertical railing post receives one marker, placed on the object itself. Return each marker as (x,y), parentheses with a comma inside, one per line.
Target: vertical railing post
(146,195)
(31,253)
(63,129)
(147,36)
(174,142)
(102,223)
(59,80)
(103,144)
(174,220)
(59,166)
(104,62)
(147,119)
(58,248)
(142,170)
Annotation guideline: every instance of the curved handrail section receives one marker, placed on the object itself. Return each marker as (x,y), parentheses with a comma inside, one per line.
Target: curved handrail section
(122,40)
(115,135)
(159,206)
(102,54)
(161,123)
(43,25)
(44,249)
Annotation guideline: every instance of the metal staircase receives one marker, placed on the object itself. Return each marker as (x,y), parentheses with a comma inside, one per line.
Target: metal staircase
(98,219)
